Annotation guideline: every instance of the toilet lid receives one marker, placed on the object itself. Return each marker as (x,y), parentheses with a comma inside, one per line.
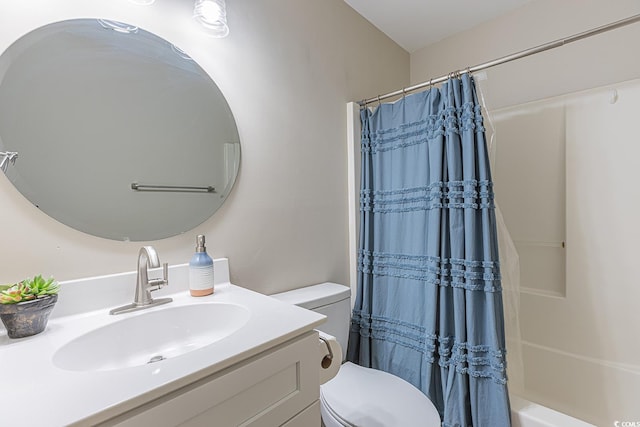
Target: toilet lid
(361,396)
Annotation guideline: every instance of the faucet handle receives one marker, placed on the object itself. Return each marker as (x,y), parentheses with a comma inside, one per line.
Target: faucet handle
(156,284)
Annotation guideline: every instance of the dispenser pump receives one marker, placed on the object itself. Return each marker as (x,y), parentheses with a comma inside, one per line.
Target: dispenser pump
(200,246)
(201,270)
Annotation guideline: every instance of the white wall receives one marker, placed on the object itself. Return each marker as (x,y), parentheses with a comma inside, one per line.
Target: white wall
(581,351)
(287,69)
(588,63)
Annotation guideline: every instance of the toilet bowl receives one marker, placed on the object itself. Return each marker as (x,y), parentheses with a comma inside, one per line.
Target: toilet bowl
(359,396)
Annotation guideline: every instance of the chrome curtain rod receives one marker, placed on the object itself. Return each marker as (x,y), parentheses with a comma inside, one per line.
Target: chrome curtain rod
(523,53)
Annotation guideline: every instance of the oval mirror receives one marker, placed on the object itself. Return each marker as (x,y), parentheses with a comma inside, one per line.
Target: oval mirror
(113,131)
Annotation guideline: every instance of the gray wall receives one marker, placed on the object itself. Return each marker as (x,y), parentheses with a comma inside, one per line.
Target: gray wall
(287,69)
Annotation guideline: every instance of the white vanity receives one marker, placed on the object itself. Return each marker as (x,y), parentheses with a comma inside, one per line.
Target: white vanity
(235,358)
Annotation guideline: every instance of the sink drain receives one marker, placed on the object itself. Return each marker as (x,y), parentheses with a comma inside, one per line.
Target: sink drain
(155,359)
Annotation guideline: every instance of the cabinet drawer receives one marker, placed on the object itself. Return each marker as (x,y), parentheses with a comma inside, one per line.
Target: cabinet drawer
(266,390)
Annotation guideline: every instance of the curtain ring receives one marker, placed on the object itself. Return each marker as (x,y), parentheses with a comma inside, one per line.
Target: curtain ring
(404,93)
(379,103)
(430,83)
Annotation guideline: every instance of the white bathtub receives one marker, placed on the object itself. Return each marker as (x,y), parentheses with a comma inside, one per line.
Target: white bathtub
(528,414)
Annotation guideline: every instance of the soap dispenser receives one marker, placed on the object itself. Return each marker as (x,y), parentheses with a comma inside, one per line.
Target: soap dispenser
(200,270)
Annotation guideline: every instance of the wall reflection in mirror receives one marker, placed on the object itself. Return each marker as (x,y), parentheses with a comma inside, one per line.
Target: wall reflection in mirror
(88,110)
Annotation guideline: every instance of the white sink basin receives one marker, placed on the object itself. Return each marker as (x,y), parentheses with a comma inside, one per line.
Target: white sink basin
(151,337)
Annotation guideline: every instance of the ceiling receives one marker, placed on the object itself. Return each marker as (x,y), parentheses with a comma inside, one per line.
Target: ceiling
(414,24)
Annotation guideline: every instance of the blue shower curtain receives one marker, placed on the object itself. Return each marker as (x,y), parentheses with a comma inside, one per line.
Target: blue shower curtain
(429,302)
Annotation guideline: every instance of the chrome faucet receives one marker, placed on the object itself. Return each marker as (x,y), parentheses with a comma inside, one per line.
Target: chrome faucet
(147,258)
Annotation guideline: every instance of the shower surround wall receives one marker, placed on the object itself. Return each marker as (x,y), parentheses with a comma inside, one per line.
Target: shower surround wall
(581,356)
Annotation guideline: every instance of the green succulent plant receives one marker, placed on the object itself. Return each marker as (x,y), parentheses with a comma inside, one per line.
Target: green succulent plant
(28,289)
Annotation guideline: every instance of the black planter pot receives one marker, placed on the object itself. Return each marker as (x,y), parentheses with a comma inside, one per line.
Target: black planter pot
(27,318)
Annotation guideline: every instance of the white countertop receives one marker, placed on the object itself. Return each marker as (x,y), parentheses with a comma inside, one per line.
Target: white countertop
(35,392)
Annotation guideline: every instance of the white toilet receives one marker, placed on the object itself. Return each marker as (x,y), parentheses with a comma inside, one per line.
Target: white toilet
(359,396)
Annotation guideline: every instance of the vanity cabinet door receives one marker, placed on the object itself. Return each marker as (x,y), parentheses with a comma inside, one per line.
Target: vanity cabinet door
(267,390)
(310,417)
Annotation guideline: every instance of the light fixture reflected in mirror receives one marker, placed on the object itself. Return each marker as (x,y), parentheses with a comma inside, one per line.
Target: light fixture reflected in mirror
(118,26)
(181,53)
(212,14)
(143,2)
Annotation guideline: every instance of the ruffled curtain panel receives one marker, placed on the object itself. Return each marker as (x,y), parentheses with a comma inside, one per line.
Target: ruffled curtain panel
(429,302)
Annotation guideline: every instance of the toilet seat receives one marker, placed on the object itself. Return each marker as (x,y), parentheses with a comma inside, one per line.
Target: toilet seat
(364,397)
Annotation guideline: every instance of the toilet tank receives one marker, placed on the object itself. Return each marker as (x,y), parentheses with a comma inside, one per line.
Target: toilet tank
(332,300)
